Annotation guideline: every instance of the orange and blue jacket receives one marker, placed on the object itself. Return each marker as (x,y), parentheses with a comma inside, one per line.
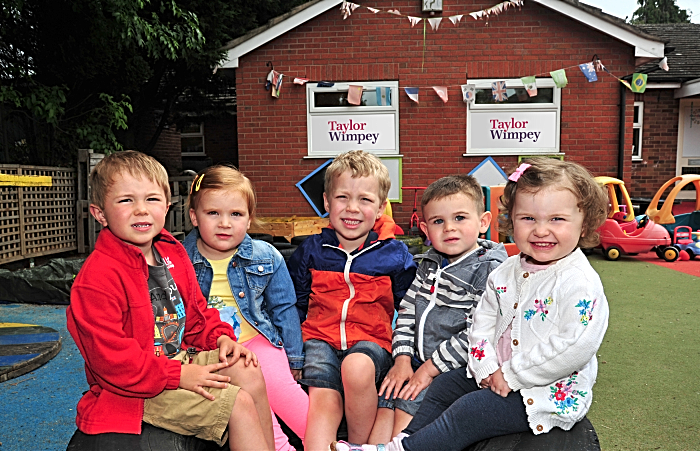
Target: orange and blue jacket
(346,297)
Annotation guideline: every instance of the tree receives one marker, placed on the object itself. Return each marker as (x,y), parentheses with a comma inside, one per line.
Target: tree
(91,73)
(659,11)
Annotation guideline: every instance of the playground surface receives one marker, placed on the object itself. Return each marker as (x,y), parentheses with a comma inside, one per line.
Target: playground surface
(644,398)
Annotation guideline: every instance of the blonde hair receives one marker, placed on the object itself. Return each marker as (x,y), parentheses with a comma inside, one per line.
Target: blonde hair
(134,163)
(455,184)
(360,164)
(550,172)
(222,177)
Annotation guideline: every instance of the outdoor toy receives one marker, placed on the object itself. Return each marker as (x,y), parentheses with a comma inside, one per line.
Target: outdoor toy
(413,228)
(664,216)
(684,239)
(622,233)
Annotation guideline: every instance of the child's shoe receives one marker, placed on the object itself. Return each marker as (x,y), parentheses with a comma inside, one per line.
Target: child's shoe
(394,445)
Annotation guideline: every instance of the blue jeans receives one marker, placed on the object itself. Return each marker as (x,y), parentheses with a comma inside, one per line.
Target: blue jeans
(456,413)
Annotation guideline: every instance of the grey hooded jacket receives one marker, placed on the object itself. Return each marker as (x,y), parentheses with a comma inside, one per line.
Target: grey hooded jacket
(435,315)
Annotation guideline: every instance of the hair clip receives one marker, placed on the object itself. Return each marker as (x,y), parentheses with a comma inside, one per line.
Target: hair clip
(515,176)
(199,182)
(196,183)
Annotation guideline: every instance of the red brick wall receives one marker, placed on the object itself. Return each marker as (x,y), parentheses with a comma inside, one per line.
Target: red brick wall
(534,40)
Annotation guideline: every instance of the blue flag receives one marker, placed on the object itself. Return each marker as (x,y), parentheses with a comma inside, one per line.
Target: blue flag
(383,96)
(412,93)
(589,71)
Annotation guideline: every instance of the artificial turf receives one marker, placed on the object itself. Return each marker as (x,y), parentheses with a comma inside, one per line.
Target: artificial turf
(647,396)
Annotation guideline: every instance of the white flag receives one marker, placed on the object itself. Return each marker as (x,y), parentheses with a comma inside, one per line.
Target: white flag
(455,19)
(413,20)
(435,22)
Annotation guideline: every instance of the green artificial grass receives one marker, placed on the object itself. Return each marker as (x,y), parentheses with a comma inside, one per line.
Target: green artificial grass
(647,396)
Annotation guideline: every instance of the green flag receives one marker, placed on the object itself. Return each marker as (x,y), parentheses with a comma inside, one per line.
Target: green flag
(639,83)
(559,77)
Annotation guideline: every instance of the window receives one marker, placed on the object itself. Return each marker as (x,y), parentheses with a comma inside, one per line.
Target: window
(520,125)
(637,130)
(335,126)
(192,139)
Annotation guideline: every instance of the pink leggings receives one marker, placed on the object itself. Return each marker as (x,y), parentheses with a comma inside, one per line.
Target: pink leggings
(287,398)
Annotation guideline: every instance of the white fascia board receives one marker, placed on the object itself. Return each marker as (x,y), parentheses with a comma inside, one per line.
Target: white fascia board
(689,88)
(643,47)
(233,54)
(664,85)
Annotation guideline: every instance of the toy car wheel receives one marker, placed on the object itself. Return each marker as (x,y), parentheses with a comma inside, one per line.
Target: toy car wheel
(691,254)
(659,252)
(670,254)
(612,253)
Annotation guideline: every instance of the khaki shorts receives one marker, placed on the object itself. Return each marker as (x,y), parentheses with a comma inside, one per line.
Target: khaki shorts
(188,413)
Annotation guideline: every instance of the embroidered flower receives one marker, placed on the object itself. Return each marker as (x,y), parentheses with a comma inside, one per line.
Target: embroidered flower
(215,302)
(501,290)
(478,350)
(529,314)
(564,396)
(586,310)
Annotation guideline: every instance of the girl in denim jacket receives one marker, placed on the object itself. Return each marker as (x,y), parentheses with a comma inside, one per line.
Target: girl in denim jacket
(248,282)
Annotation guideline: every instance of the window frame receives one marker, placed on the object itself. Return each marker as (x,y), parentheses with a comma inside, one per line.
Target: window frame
(200,134)
(637,153)
(313,111)
(554,106)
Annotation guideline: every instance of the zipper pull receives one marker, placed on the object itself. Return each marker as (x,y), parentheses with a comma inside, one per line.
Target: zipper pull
(191,353)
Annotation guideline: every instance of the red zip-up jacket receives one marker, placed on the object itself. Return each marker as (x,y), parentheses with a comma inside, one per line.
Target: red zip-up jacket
(110,317)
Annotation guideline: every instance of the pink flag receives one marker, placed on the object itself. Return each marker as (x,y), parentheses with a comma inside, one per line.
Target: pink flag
(441,91)
(300,81)
(354,95)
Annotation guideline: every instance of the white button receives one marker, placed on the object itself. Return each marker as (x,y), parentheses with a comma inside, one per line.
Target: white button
(260,268)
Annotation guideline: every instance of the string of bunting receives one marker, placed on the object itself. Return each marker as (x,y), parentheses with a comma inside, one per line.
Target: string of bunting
(498,88)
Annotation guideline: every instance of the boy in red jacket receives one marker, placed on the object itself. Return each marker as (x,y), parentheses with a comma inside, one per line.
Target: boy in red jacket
(153,350)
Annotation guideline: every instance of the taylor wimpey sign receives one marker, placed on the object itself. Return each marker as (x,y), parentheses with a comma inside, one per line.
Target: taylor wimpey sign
(340,133)
(513,131)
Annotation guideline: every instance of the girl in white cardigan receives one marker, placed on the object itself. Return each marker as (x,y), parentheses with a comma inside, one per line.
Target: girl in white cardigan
(538,326)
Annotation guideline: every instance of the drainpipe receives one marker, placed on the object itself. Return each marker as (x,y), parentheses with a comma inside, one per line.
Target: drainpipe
(621,150)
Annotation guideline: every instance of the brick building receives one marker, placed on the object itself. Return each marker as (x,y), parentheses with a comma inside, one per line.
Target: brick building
(281,140)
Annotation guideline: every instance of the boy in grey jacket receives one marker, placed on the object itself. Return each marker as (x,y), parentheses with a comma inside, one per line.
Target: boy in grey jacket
(435,315)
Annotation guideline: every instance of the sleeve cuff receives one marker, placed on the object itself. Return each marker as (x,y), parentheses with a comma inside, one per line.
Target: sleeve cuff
(510,378)
(296,363)
(484,370)
(402,350)
(173,368)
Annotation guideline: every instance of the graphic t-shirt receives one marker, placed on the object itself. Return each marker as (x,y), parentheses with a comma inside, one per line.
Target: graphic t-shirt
(221,298)
(168,309)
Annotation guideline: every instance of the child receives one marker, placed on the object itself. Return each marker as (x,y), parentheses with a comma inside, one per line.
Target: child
(143,327)
(248,282)
(436,313)
(348,281)
(538,326)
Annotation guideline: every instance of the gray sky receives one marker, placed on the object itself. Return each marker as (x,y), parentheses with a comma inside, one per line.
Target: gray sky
(622,8)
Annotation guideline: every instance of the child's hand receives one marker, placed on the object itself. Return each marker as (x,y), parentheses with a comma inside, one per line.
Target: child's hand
(398,374)
(195,377)
(485,382)
(296,374)
(235,350)
(420,380)
(499,384)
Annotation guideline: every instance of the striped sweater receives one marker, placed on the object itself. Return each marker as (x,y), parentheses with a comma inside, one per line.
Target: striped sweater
(435,315)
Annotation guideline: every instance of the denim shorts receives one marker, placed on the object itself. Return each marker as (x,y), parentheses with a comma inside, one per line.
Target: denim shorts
(322,364)
(408,406)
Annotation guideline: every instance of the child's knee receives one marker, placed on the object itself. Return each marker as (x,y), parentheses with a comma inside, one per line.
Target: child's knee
(357,371)
(244,405)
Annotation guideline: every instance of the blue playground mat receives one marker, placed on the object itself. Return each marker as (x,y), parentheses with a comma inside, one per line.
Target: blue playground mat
(38,408)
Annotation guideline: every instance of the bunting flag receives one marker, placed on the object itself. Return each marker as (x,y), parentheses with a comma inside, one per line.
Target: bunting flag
(559,77)
(599,65)
(394,11)
(374,10)
(276,83)
(639,83)
(435,23)
(455,19)
(477,15)
(412,93)
(268,80)
(301,81)
(625,83)
(589,71)
(347,8)
(498,89)
(530,85)
(325,84)
(663,64)
(414,20)
(354,95)
(468,93)
(383,96)
(441,91)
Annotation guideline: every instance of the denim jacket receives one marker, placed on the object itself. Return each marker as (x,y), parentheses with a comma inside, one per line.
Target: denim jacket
(258,271)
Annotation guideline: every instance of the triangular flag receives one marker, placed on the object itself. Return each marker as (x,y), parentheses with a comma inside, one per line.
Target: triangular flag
(639,83)
(301,81)
(625,83)
(394,11)
(268,80)
(374,10)
(589,71)
(383,95)
(435,22)
(354,95)
(476,15)
(412,93)
(414,20)
(468,93)
(498,90)
(663,64)
(530,85)
(455,19)
(441,91)
(559,77)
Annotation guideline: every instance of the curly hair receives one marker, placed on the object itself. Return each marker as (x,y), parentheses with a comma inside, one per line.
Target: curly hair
(549,172)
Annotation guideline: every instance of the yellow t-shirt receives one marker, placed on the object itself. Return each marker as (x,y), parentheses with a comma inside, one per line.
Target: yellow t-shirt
(221,298)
